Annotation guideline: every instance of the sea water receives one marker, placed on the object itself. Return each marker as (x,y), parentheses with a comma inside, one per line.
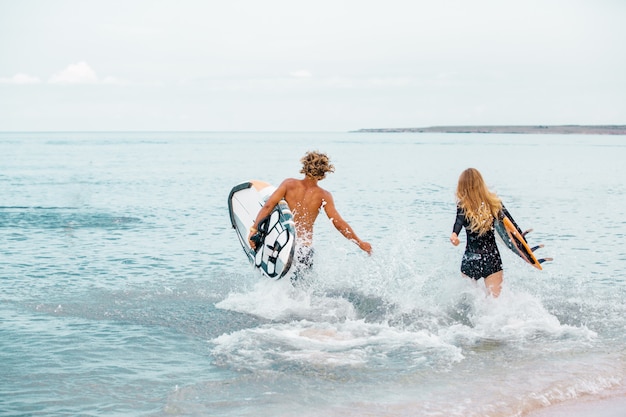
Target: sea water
(124,290)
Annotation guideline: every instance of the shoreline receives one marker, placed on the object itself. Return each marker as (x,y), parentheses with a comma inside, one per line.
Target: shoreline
(605,407)
(611,403)
(510,129)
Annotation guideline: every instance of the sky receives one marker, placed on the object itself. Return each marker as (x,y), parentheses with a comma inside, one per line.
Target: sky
(324,65)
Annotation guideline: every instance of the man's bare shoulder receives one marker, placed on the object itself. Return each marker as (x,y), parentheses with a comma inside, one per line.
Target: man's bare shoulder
(289,182)
(326,194)
(322,190)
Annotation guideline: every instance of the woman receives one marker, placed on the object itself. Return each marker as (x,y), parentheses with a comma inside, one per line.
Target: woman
(477,208)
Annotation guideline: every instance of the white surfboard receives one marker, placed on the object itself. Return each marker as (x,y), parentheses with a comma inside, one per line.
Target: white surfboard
(274,256)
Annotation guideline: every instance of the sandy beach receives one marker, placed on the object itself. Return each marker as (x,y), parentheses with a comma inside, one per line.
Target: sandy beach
(606,406)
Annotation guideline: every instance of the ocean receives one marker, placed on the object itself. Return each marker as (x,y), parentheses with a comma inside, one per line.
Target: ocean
(124,290)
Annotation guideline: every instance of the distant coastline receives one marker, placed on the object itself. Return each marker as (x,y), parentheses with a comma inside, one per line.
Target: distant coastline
(538,129)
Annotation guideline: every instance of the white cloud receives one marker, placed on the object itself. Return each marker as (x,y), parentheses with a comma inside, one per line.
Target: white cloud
(80,73)
(20,79)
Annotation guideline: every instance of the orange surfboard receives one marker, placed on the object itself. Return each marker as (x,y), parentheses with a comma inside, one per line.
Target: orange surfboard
(513,237)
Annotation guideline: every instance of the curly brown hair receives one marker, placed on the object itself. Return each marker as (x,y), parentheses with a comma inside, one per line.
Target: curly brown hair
(316,165)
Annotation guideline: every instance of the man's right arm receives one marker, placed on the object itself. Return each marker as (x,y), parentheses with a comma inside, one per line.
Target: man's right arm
(267,208)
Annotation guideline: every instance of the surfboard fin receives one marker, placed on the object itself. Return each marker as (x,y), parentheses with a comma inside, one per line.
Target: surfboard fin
(527,232)
(544,260)
(536,247)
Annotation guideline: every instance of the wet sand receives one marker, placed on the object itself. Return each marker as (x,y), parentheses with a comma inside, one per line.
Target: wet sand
(591,407)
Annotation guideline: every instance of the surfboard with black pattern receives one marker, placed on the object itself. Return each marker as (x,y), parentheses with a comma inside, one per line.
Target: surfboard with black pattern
(276,237)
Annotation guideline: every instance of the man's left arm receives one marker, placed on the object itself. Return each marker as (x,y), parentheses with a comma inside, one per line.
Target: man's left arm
(342,226)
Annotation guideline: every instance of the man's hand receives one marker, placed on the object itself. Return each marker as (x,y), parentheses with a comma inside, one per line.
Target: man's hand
(365,246)
(253,231)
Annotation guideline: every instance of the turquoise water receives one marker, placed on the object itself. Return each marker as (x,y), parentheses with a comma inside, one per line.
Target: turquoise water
(124,291)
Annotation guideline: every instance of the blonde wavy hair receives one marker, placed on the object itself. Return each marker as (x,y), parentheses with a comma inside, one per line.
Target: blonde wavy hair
(316,165)
(480,205)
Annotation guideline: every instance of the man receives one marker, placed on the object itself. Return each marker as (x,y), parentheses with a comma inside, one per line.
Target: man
(305,199)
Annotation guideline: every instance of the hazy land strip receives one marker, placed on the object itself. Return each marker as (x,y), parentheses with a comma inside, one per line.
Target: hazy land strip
(538,129)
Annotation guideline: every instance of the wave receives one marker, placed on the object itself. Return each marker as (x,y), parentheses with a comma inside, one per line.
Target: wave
(36,217)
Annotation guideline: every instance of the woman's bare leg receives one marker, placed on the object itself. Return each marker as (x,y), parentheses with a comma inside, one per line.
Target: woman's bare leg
(494,283)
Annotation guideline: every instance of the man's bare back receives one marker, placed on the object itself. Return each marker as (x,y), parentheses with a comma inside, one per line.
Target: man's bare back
(305,199)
